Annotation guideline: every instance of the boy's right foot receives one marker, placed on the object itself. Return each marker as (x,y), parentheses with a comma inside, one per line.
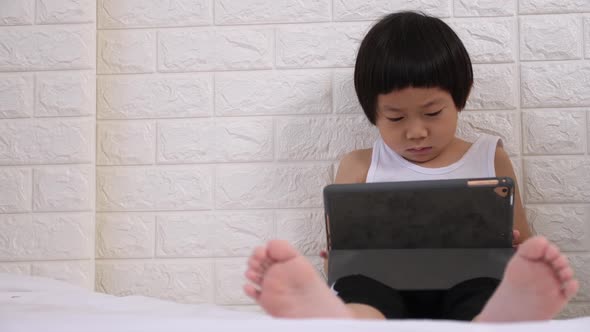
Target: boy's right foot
(286,285)
(537,284)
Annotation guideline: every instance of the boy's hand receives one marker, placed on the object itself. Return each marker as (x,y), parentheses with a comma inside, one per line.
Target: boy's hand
(324,255)
(515,237)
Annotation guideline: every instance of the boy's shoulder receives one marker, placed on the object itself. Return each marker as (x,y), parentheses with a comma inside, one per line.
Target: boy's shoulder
(502,162)
(354,166)
(361,155)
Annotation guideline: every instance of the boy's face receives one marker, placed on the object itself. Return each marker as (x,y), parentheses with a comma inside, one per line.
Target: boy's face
(417,123)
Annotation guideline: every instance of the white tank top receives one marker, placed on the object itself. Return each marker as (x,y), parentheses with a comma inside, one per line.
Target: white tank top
(477,162)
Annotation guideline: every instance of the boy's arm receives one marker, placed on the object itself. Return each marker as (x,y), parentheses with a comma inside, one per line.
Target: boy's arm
(354,167)
(504,168)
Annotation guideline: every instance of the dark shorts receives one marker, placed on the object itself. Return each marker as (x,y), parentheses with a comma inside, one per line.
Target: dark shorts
(463,302)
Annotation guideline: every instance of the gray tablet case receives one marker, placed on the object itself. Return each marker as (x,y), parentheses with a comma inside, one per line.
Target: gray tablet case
(420,235)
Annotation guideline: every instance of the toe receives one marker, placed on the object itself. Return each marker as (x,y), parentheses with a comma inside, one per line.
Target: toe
(255,265)
(251,291)
(552,252)
(259,253)
(571,288)
(280,251)
(534,248)
(254,277)
(566,274)
(560,262)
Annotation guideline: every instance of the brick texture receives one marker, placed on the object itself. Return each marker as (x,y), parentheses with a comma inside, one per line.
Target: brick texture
(147,146)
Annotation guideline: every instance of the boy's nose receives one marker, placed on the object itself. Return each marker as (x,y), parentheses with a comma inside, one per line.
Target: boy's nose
(416,131)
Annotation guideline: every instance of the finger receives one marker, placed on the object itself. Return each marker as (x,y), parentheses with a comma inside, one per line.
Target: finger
(516,234)
(515,238)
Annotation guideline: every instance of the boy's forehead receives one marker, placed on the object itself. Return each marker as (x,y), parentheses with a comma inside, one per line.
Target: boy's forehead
(413,97)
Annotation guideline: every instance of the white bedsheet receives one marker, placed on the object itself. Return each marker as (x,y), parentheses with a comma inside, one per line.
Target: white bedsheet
(39,304)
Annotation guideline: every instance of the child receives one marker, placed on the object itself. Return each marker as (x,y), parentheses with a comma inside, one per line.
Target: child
(412,78)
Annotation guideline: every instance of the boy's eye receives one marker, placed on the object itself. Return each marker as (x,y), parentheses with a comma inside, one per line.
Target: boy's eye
(395,119)
(434,114)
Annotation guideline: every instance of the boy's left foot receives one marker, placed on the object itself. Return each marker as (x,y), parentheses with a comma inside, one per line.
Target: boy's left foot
(538,283)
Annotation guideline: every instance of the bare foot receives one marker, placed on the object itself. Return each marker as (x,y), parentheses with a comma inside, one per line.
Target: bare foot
(537,284)
(286,285)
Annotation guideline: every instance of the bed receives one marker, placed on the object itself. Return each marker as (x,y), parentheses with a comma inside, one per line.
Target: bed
(40,304)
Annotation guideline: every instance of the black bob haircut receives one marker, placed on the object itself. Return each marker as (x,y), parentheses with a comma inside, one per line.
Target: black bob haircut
(411,49)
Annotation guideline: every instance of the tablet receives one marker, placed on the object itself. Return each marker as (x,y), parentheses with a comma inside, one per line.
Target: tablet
(458,213)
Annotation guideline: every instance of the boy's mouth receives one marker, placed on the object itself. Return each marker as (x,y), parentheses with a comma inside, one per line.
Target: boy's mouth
(420,150)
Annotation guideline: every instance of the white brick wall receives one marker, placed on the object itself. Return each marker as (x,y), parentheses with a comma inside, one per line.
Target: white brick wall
(47,125)
(219,121)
